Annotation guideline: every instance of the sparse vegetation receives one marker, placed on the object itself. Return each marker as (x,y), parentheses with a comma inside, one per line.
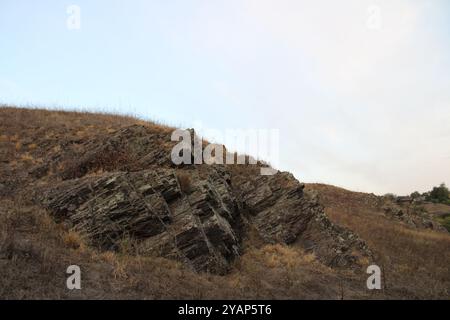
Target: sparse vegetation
(35,249)
(439,194)
(390,196)
(404,252)
(415,195)
(445,221)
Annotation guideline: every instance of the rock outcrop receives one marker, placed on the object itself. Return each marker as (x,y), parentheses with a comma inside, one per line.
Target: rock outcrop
(149,206)
(196,214)
(412,214)
(283,213)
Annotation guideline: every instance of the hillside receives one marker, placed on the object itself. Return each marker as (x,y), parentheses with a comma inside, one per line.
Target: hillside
(411,247)
(100,191)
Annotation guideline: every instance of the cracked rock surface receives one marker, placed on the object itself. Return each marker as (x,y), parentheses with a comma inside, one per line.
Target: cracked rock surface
(199,215)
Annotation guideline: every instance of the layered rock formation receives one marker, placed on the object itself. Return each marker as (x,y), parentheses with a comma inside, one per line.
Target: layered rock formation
(198,214)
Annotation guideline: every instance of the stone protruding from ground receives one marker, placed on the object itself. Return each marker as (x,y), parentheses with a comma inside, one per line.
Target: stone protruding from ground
(283,213)
(203,227)
(149,206)
(197,214)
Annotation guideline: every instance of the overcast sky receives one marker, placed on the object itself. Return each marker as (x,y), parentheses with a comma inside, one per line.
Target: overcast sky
(360,90)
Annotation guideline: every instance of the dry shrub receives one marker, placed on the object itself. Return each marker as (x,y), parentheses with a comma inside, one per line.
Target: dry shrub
(111,160)
(102,162)
(26,157)
(34,249)
(128,246)
(280,271)
(73,240)
(278,256)
(184,180)
(414,261)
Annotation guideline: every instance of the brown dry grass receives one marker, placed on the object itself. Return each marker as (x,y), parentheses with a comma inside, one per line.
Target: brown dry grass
(35,250)
(415,261)
(32,243)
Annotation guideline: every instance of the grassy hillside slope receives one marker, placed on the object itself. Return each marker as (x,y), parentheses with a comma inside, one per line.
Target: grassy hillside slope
(35,250)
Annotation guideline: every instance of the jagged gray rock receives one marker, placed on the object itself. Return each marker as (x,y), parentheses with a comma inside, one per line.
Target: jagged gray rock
(203,223)
(149,205)
(283,213)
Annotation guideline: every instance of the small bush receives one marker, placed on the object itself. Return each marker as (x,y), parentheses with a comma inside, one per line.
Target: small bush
(73,240)
(440,194)
(185,182)
(390,196)
(445,222)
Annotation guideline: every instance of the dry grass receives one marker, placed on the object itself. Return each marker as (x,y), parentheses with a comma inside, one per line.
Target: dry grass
(30,241)
(283,272)
(35,251)
(74,240)
(415,261)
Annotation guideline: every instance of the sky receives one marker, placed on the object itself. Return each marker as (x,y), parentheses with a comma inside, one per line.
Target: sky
(359,90)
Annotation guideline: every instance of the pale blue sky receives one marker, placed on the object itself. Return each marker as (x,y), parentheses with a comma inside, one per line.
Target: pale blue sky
(360,103)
